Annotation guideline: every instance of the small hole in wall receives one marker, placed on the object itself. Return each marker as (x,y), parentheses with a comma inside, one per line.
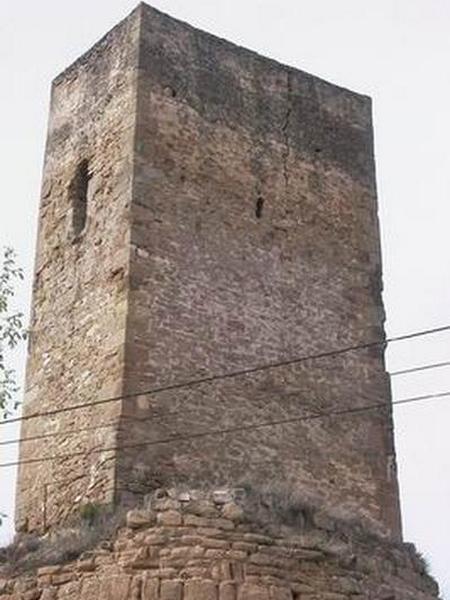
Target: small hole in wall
(259,207)
(79,193)
(318,150)
(170,92)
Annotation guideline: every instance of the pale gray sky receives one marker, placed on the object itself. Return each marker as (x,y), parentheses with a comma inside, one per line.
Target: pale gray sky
(397,51)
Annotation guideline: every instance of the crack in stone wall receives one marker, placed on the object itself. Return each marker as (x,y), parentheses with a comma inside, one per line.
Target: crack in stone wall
(285,130)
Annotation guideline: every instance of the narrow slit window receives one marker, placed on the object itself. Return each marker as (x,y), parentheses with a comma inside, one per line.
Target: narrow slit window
(79,193)
(259,207)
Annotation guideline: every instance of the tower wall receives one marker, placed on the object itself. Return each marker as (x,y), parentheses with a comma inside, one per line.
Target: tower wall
(254,240)
(236,207)
(76,352)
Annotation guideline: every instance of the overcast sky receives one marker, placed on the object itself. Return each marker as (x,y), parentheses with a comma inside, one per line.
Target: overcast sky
(397,51)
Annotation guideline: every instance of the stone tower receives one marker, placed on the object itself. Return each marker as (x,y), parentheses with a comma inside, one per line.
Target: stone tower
(204,210)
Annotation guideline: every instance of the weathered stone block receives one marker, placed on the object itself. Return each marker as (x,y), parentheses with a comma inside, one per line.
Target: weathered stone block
(51,570)
(222,497)
(200,589)
(203,508)
(347,585)
(150,588)
(4,585)
(227,590)
(170,518)
(140,518)
(196,521)
(251,591)
(233,512)
(62,578)
(50,593)
(171,590)
(215,543)
(162,504)
(155,539)
(86,565)
(143,558)
(117,587)
(91,587)
(34,594)
(280,593)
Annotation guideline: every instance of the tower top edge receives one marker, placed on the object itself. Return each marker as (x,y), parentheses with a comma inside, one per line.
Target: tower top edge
(146,9)
(106,41)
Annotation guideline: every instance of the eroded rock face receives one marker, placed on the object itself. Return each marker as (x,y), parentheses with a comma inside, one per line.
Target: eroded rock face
(187,557)
(204,210)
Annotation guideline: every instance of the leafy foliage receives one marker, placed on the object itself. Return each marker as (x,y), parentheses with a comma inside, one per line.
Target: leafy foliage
(11,330)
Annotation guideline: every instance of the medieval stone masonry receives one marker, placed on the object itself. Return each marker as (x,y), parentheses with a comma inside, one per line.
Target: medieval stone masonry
(199,549)
(207,217)
(205,210)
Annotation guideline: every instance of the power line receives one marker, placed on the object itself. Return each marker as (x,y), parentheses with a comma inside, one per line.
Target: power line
(170,413)
(228,430)
(43,436)
(420,368)
(212,378)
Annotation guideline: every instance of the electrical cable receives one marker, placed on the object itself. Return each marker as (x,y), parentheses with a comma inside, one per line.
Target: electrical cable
(420,368)
(212,378)
(236,429)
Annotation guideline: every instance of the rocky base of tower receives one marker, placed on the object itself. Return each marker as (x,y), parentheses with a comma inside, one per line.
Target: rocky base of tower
(188,547)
